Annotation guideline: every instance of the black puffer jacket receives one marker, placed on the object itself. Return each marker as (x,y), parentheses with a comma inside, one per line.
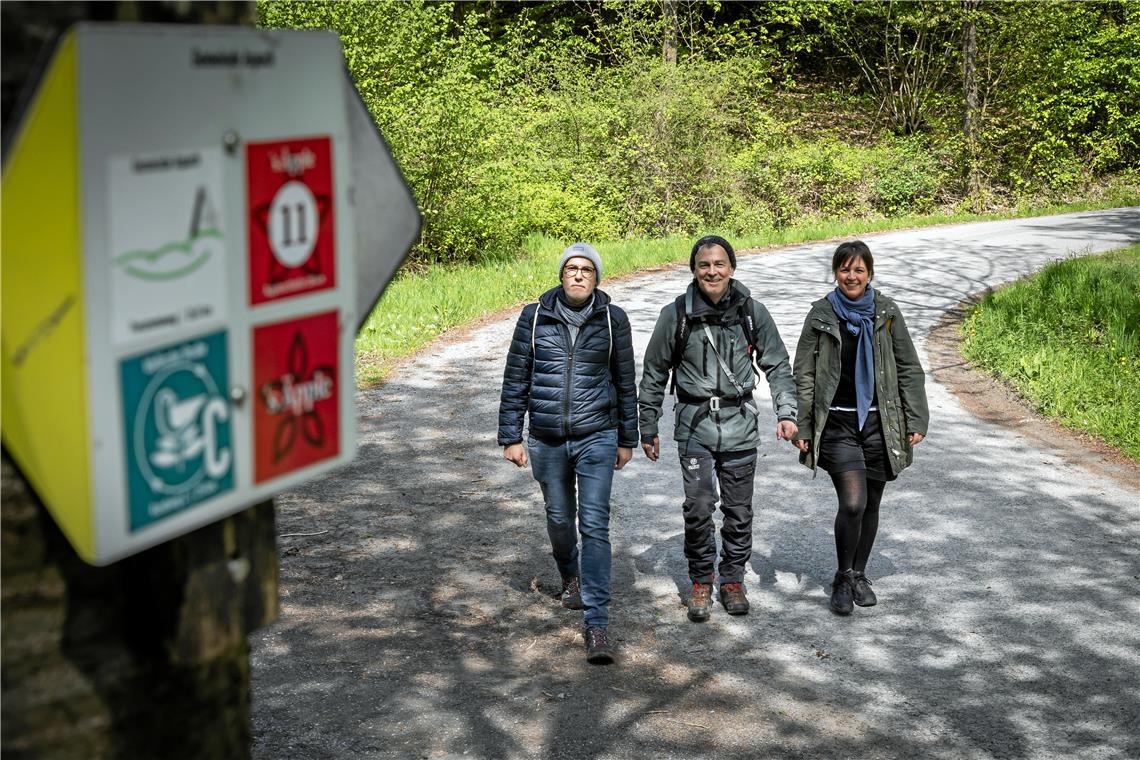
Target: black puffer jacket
(570,393)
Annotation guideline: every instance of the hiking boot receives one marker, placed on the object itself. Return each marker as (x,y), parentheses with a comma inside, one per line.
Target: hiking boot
(841,588)
(861,592)
(733,598)
(572,594)
(599,649)
(700,601)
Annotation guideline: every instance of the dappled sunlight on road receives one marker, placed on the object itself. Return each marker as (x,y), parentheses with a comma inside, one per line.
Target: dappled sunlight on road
(423,621)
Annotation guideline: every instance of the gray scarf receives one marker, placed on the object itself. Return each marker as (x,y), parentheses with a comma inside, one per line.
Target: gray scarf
(574,318)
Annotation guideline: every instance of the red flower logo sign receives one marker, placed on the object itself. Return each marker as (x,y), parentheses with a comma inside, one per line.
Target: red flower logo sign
(294,398)
(295,374)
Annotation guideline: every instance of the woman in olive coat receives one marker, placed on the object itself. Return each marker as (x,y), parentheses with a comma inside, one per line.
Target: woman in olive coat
(862,408)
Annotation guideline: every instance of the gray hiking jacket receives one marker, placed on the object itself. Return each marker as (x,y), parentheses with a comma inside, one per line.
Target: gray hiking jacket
(700,375)
(900,383)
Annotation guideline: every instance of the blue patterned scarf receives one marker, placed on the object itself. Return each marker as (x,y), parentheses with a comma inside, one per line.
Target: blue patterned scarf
(859,319)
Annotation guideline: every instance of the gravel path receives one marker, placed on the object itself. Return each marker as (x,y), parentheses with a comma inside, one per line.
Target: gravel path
(422,622)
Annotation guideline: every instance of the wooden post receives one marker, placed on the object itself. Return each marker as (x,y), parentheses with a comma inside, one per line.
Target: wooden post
(147,657)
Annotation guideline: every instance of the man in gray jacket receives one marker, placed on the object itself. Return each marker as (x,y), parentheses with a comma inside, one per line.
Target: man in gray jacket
(711,338)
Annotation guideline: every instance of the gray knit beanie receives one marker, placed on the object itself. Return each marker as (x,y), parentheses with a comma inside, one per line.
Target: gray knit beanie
(586,251)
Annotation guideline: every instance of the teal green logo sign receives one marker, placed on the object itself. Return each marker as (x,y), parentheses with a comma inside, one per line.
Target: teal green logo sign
(177,426)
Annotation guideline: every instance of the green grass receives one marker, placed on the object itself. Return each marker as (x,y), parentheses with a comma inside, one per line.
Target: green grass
(418,306)
(1068,339)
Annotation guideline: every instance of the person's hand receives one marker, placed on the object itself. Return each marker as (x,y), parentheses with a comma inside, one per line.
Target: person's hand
(786,430)
(515,453)
(652,450)
(623,456)
(803,445)
(915,438)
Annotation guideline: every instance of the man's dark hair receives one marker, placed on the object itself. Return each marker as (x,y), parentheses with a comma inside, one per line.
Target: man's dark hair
(706,241)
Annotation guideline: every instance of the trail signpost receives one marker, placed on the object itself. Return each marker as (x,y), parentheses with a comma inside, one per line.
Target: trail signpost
(193,230)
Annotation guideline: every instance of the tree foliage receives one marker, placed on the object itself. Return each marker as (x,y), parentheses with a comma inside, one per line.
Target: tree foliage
(566,118)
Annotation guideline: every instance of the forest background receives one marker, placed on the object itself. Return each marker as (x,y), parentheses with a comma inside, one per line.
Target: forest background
(521,127)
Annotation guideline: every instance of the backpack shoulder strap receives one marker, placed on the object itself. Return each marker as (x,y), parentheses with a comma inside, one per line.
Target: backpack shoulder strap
(610,326)
(533,327)
(680,337)
(748,322)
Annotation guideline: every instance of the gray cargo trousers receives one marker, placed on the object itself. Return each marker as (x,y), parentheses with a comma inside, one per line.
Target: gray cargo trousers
(710,476)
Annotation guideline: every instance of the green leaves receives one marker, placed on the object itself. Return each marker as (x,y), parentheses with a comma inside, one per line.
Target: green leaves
(512,119)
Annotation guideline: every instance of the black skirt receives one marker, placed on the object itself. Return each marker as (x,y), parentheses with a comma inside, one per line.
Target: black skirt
(844,447)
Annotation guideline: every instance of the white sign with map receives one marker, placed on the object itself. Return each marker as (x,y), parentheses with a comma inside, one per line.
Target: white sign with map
(167,243)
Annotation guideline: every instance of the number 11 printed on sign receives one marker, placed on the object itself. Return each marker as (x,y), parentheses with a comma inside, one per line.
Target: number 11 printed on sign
(291,225)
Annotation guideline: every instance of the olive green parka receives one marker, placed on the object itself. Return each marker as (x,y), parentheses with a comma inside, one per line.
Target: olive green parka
(900,382)
(700,375)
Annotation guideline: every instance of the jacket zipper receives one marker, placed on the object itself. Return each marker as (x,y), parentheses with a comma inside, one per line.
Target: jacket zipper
(825,328)
(568,382)
(569,377)
(705,357)
(719,392)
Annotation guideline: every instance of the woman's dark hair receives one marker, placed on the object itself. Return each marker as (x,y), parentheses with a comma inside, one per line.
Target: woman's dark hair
(853,249)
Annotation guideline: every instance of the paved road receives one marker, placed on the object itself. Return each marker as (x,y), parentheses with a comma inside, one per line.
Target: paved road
(421,624)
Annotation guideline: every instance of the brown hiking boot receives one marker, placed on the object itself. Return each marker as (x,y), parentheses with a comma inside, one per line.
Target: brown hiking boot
(733,598)
(572,594)
(700,602)
(599,648)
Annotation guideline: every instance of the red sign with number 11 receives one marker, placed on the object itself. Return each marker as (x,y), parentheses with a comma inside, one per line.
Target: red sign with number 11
(291,225)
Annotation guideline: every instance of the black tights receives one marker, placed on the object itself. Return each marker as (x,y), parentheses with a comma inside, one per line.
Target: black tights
(857,520)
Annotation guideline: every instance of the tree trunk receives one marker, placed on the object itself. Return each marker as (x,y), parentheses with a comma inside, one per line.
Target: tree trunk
(669,44)
(970,89)
(458,14)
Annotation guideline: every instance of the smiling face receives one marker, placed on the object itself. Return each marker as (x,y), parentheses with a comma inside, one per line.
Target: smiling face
(713,271)
(579,278)
(852,277)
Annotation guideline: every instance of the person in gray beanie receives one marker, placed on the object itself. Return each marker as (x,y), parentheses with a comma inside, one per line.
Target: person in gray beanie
(585,251)
(570,371)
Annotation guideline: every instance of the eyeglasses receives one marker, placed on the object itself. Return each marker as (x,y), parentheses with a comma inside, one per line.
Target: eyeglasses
(572,271)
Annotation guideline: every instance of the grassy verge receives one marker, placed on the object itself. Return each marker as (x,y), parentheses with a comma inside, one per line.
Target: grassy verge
(418,306)
(1068,339)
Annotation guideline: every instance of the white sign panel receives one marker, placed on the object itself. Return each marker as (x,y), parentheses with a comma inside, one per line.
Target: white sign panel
(168,242)
(215,286)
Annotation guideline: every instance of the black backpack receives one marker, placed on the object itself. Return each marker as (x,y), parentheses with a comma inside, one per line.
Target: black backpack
(684,329)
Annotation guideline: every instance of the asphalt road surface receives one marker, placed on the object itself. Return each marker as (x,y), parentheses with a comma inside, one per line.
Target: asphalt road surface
(420,619)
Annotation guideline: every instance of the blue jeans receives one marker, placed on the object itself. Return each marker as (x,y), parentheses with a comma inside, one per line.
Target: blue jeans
(576,475)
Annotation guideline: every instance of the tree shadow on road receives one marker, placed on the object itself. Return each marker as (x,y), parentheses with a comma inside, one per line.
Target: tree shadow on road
(422,622)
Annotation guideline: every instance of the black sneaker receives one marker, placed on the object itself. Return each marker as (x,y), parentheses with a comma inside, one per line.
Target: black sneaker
(700,602)
(572,594)
(733,598)
(861,592)
(599,650)
(841,587)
